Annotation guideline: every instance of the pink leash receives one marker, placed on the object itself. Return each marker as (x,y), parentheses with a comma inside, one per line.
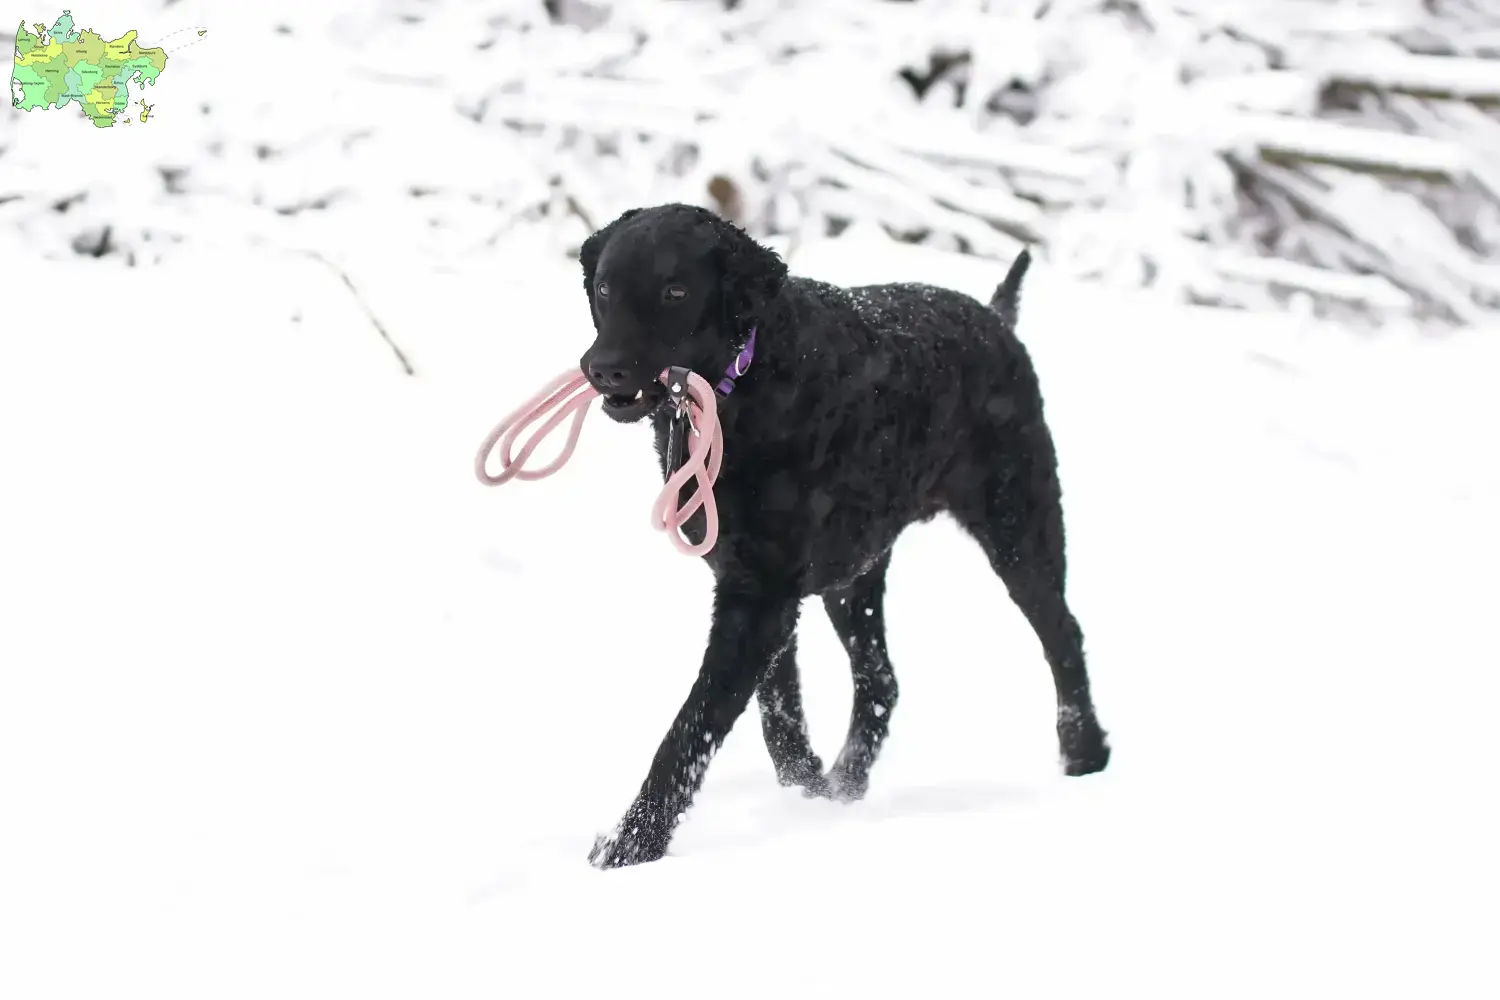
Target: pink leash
(570,395)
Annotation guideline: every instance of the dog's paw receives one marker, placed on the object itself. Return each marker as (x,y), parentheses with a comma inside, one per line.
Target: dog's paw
(816,787)
(1089,763)
(630,843)
(1085,748)
(806,773)
(847,784)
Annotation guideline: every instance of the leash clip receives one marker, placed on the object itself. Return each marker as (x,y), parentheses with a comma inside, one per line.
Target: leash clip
(677,392)
(682,419)
(677,386)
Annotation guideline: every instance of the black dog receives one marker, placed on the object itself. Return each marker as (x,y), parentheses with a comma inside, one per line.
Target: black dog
(862,411)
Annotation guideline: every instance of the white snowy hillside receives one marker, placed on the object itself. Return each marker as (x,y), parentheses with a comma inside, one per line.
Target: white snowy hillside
(291,707)
(1338,155)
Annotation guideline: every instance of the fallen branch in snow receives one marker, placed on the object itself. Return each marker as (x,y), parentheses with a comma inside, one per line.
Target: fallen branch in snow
(1021,219)
(1463,123)
(1344,145)
(964,145)
(1408,73)
(1382,233)
(385,335)
(881,188)
(1374,289)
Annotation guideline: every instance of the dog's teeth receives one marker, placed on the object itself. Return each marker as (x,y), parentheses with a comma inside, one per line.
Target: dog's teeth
(638,393)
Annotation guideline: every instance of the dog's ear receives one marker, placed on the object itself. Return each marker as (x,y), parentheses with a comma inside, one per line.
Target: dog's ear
(752,275)
(588,254)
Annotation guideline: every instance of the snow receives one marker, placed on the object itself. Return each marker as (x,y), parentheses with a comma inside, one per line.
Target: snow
(291,706)
(1123,142)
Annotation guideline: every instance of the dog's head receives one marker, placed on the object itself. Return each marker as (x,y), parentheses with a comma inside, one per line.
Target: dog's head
(669,286)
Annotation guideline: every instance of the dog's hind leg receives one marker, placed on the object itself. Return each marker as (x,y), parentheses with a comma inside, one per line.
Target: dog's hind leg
(750,629)
(784,724)
(858,615)
(1016,516)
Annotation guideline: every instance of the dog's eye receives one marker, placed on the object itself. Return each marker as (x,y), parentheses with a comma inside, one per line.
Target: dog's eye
(674,293)
(603,290)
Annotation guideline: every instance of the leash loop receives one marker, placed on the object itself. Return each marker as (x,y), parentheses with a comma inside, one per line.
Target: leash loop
(570,395)
(557,394)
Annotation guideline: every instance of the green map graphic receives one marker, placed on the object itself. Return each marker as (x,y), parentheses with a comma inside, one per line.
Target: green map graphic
(53,68)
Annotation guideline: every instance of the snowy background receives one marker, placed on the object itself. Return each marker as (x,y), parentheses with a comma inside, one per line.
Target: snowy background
(1338,156)
(291,707)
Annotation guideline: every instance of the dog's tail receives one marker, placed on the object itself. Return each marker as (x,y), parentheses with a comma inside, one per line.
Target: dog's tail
(1008,296)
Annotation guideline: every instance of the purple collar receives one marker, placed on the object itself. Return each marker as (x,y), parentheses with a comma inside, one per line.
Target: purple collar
(739,366)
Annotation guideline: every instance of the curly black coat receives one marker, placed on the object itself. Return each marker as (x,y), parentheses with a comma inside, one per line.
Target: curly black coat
(863,411)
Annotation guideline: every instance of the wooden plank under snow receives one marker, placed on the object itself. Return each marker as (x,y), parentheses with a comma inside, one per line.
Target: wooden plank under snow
(1348,145)
(1023,219)
(1440,76)
(966,145)
(1371,289)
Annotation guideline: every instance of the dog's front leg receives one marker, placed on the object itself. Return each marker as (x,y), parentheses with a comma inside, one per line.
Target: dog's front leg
(749,631)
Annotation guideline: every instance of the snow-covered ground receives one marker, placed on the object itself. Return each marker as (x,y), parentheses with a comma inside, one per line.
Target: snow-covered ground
(290,706)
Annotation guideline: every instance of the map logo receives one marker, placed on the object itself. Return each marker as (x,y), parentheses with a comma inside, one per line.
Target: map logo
(66,65)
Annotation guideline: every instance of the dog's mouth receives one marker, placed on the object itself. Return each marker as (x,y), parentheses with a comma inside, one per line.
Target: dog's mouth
(627,409)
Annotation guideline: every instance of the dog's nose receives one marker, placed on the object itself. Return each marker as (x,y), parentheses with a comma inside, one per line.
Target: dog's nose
(608,376)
